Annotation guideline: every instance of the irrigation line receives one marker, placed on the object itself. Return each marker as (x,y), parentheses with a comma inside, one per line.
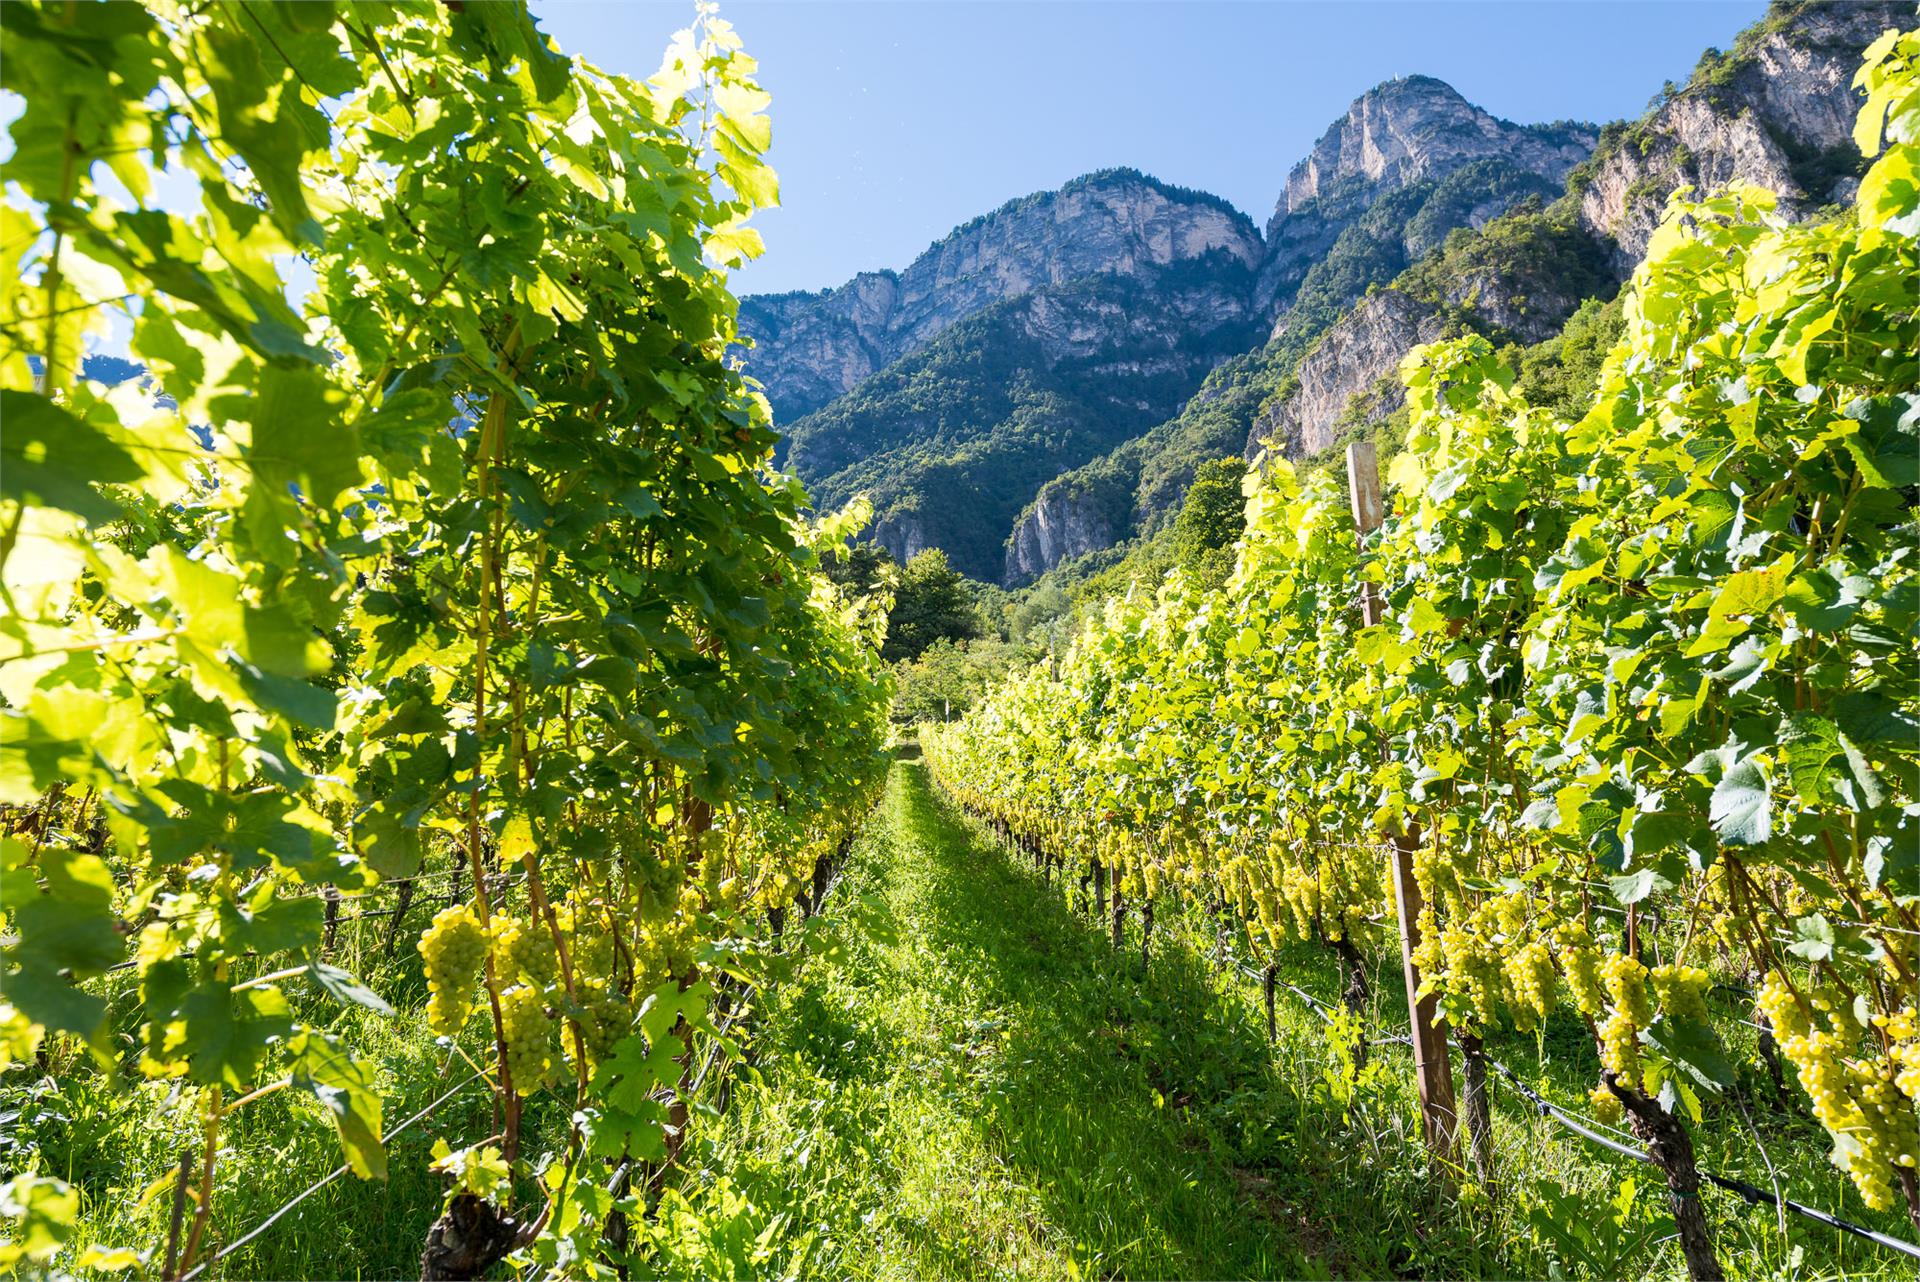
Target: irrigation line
(315,1187)
(1583,1127)
(1753,1194)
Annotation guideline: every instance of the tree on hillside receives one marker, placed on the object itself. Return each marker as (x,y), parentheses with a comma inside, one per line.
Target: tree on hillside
(863,567)
(950,677)
(1211,520)
(932,601)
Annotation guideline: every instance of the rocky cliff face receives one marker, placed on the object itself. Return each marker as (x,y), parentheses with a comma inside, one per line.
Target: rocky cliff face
(1351,359)
(902,533)
(811,348)
(1777,112)
(1397,135)
(952,441)
(1063,522)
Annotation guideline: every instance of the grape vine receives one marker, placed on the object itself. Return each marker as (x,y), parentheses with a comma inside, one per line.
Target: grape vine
(1645,692)
(440,520)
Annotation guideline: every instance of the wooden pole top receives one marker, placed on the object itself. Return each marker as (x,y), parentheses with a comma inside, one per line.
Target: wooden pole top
(1363,486)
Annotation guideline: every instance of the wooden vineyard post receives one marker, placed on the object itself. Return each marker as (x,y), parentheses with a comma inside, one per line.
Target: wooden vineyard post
(1431,1067)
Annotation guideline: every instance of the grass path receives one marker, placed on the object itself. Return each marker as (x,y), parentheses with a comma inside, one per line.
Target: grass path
(972,1085)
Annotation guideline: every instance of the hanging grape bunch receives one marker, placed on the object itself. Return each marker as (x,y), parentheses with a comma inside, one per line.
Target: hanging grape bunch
(455,949)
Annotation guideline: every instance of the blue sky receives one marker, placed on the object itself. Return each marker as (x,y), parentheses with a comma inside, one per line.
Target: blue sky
(895,121)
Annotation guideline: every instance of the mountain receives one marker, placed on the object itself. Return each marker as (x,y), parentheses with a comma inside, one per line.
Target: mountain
(1023,344)
(812,347)
(1041,385)
(1410,162)
(1776,110)
(1409,133)
(1040,337)
(953,439)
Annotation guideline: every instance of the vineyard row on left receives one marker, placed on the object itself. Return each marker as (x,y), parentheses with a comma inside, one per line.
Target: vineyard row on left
(440,523)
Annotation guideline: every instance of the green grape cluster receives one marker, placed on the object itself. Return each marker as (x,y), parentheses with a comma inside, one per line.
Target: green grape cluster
(1531,977)
(1510,914)
(528,1032)
(1625,979)
(1438,872)
(1473,971)
(667,944)
(1266,905)
(1866,1107)
(1888,1135)
(1620,1047)
(454,947)
(1300,889)
(1832,1001)
(589,943)
(1782,1009)
(1902,1030)
(1682,991)
(523,950)
(604,1017)
(1581,962)
(1428,955)
(1605,1105)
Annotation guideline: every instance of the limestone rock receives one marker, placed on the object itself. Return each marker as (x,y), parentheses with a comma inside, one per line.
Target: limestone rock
(810,348)
(1350,360)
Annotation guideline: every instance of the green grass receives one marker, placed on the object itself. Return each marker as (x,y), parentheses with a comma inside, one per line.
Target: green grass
(969,1089)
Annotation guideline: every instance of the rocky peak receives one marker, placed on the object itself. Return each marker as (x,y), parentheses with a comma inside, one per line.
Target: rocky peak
(1118,222)
(810,348)
(1416,129)
(1413,142)
(1776,111)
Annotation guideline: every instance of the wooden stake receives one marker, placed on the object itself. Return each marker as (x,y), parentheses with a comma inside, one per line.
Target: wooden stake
(1432,1069)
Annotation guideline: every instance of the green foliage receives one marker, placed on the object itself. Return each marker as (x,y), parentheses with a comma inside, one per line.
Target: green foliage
(861,569)
(1541,260)
(1663,646)
(1560,373)
(478,549)
(1211,520)
(949,677)
(932,602)
(1594,1237)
